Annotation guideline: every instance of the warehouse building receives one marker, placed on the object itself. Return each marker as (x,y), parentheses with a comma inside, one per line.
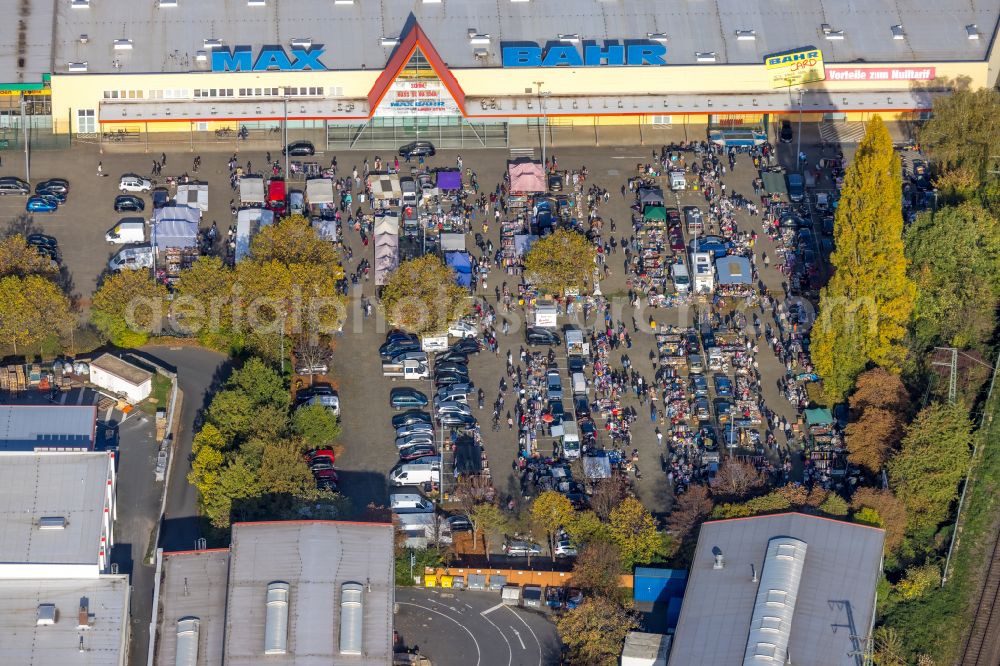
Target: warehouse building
(48,427)
(297,592)
(779,589)
(374,73)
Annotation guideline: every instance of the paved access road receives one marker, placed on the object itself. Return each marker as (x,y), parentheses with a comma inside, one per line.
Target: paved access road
(466,628)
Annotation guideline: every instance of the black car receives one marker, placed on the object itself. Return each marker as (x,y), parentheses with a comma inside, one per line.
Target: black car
(41,240)
(127,203)
(397,334)
(451,366)
(417,149)
(397,347)
(53,186)
(785,134)
(299,149)
(534,335)
(452,356)
(465,346)
(411,416)
(575,364)
(581,406)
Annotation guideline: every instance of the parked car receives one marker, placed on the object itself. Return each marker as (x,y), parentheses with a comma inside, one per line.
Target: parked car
(537,336)
(459,392)
(723,410)
(53,186)
(411,416)
(723,386)
(414,429)
(299,149)
(564,547)
(329,453)
(465,346)
(133,183)
(417,451)
(513,547)
(452,407)
(41,240)
(14,185)
(785,133)
(699,386)
(459,523)
(41,203)
(581,407)
(463,329)
(450,378)
(396,347)
(417,149)
(456,420)
(414,439)
(405,397)
(322,396)
(128,203)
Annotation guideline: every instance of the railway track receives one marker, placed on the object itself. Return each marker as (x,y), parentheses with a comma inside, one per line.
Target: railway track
(982,647)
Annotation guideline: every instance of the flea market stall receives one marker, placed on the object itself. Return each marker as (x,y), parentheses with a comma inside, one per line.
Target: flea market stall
(248,223)
(319,197)
(735,276)
(386,248)
(252,191)
(385,190)
(193,195)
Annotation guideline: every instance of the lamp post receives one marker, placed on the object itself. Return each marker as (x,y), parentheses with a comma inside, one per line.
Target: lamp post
(285,150)
(24,125)
(798,147)
(545,118)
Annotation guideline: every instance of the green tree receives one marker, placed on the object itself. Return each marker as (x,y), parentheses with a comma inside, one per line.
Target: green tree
(595,631)
(917,581)
(19,259)
(585,527)
(261,383)
(203,299)
(964,130)
(421,296)
(835,505)
(487,520)
(32,308)
(865,308)
(881,508)
(889,649)
(633,530)
(208,447)
(932,460)
(128,307)
(954,259)
(598,569)
(550,512)
(564,259)
(315,424)
(236,481)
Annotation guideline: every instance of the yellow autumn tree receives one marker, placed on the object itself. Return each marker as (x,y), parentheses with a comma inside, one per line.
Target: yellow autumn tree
(865,309)
(561,260)
(422,296)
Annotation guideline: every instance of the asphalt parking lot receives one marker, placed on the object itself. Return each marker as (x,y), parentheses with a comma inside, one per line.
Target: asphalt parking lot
(466,628)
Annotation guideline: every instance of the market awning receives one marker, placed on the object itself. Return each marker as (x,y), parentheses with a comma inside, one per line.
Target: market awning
(526,175)
(325,229)
(655,213)
(175,233)
(597,467)
(319,191)
(385,186)
(182,213)
(248,223)
(774,182)
(733,270)
(193,195)
(453,242)
(252,190)
(819,416)
(651,195)
(462,265)
(449,180)
(523,243)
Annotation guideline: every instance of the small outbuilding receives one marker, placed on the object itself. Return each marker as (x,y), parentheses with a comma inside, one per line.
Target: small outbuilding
(121,378)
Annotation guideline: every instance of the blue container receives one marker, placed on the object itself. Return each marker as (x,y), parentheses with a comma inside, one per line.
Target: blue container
(658,585)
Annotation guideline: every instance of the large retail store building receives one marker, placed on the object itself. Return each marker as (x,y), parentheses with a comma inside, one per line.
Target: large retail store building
(462,72)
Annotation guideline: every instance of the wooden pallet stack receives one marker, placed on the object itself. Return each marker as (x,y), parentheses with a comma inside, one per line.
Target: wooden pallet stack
(13,379)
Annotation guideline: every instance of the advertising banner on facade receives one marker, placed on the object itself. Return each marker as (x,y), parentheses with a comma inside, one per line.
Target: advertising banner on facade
(417,98)
(880,73)
(792,68)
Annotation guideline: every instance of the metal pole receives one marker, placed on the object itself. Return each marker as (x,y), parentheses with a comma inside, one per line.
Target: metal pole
(798,148)
(24,124)
(286,158)
(544,117)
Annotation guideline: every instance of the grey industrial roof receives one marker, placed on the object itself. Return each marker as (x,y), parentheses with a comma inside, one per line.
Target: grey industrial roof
(26,644)
(30,427)
(193,585)
(835,598)
(166,39)
(315,558)
(48,485)
(118,367)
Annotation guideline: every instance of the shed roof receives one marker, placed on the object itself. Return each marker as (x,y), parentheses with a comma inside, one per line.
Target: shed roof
(30,427)
(33,486)
(834,599)
(122,369)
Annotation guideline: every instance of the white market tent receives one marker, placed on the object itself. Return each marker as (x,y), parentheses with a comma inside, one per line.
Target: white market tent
(526,175)
(386,248)
(453,242)
(385,186)
(252,190)
(248,223)
(325,229)
(319,191)
(175,233)
(192,195)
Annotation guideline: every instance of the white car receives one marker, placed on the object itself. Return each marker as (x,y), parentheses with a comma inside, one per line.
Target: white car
(463,329)
(134,184)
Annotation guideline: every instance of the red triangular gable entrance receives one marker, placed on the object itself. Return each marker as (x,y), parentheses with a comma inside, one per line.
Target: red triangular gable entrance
(414,38)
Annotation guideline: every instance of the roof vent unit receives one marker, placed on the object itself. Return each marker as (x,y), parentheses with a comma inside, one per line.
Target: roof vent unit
(201,56)
(77,67)
(256,3)
(571,38)
(276,619)
(343,2)
(432,2)
(972,31)
(520,0)
(188,629)
(84,620)
(897,32)
(705,56)
(656,36)
(52,523)
(80,4)
(167,3)
(352,615)
(476,38)
(830,33)
(84,39)
(48,615)
(211,44)
(719,562)
(481,54)
(302,42)
(746,35)
(389,41)
(123,45)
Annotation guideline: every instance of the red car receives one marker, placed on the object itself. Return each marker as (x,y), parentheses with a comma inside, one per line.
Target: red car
(320,452)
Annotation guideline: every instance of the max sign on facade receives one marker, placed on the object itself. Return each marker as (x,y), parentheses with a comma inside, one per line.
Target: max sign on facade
(270,58)
(555,55)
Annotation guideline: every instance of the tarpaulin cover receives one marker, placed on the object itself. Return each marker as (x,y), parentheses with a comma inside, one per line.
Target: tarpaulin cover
(651,195)
(386,252)
(325,229)
(774,182)
(175,233)
(597,467)
(385,186)
(819,416)
(733,270)
(319,191)
(526,175)
(192,195)
(449,180)
(523,243)
(656,213)
(248,223)
(252,190)
(453,242)
(462,265)
(387,224)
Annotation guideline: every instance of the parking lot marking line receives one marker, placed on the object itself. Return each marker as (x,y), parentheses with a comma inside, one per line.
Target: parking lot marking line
(519,639)
(474,641)
(533,634)
(510,650)
(490,610)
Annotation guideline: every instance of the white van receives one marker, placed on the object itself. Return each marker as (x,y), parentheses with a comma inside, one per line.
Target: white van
(126,231)
(410,503)
(579,384)
(132,258)
(570,441)
(682,281)
(415,474)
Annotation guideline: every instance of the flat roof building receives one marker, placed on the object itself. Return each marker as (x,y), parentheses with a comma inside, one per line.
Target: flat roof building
(47,427)
(121,378)
(768,589)
(299,592)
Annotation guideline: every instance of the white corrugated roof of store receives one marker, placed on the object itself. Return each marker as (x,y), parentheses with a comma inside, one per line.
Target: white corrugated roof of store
(166,39)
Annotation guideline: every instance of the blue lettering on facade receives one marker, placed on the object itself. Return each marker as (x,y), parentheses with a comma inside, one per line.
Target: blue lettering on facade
(240,59)
(559,55)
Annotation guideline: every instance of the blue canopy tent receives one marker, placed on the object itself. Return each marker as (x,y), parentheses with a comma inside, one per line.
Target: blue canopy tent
(462,265)
(449,180)
(733,270)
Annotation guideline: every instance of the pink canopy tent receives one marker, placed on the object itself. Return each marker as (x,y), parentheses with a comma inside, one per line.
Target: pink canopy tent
(526,175)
